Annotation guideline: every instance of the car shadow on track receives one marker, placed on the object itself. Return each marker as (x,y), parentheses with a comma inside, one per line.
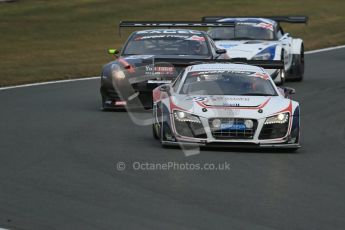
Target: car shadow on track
(154,143)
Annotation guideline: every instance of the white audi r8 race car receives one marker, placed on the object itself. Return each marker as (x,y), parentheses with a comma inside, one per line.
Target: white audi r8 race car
(262,39)
(222,104)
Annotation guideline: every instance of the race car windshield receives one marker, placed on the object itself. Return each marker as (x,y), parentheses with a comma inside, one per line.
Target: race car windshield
(250,31)
(167,44)
(228,83)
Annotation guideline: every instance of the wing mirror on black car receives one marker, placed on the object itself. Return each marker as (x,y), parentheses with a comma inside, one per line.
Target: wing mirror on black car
(289,91)
(113,51)
(221,51)
(164,88)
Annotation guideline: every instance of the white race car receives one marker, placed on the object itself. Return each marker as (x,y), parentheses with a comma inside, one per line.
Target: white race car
(221,104)
(255,38)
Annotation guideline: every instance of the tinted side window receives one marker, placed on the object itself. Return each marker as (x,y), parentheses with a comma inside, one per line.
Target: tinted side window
(279,34)
(213,45)
(177,81)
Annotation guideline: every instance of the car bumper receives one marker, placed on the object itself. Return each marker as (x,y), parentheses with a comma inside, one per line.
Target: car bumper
(233,145)
(112,100)
(258,138)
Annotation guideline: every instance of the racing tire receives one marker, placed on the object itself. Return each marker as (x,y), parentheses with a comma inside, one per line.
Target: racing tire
(103,107)
(159,131)
(297,69)
(155,126)
(282,72)
(165,132)
(297,140)
(156,131)
(297,135)
(282,78)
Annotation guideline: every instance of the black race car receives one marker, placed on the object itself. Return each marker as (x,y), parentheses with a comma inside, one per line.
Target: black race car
(153,57)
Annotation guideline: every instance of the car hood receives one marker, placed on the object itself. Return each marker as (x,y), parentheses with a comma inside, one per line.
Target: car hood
(246,48)
(137,59)
(231,106)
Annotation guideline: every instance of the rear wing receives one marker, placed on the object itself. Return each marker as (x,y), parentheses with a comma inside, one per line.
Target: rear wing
(266,64)
(288,19)
(168,24)
(172,24)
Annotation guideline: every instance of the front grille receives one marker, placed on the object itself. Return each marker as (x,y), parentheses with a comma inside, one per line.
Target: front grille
(234,129)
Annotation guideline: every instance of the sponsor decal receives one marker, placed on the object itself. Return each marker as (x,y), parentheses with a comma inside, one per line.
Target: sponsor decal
(197,98)
(227,46)
(231,126)
(159,82)
(262,76)
(170,31)
(174,35)
(196,38)
(226,103)
(197,73)
(221,98)
(159,70)
(264,25)
(161,36)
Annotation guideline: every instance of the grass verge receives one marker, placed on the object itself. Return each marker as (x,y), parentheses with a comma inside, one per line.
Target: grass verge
(43,40)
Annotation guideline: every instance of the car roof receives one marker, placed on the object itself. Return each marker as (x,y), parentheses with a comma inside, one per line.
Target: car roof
(225,66)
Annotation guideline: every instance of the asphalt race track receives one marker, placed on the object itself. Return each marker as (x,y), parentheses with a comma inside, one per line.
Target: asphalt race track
(59,152)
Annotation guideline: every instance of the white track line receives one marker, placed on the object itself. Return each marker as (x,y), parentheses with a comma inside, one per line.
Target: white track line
(324,49)
(93,78)
(48,83)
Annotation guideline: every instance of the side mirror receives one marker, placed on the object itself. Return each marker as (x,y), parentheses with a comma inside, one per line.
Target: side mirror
(164,88)
(221,51)
(289,91)
(285,36)
(113,51)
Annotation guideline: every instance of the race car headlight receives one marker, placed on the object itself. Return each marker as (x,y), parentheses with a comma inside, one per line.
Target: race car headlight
(280,118)
(266,54)
(262,56)
(119,74)
(249,124)
(186,117)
